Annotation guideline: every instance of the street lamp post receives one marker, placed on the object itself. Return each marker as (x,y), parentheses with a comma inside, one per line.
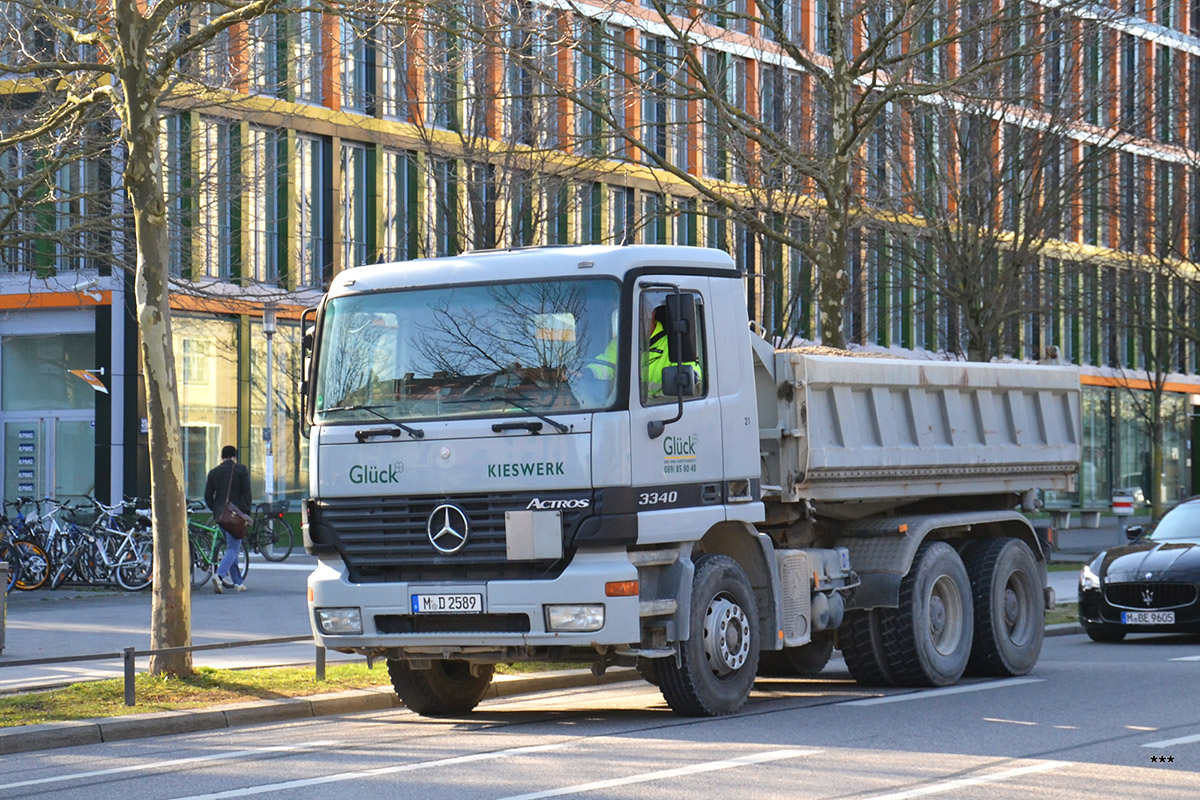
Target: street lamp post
(269,422)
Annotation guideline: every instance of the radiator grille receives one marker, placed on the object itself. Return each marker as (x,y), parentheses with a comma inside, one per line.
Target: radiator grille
(1159,595)
(385,538)
(452,623)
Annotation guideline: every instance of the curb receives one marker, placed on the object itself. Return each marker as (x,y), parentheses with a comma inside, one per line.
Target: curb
(51,735)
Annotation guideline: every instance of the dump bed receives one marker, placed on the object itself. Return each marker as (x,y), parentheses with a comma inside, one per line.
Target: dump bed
(849,429)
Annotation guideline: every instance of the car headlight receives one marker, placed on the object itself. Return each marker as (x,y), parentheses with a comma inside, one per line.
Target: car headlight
(340,621)
(1088,579)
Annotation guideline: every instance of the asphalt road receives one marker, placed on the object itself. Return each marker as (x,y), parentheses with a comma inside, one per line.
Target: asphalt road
(1091,721)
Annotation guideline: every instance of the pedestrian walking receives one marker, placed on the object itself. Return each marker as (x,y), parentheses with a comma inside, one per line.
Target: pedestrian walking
(228,480)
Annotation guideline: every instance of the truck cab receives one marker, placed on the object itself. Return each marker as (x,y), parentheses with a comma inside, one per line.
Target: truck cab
(497,464)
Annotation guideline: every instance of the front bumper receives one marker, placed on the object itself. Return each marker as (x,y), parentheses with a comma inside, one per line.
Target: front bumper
(1095,610)
(387,607)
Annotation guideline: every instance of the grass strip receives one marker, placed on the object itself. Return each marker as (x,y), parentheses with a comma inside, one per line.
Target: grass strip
(205,687)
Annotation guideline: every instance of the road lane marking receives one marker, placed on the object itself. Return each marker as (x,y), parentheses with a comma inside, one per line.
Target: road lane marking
(177,762)
(1169,742)
(1187,658)
(645,777)
(960,783)
(370,773)
(974,687)
(1010,721)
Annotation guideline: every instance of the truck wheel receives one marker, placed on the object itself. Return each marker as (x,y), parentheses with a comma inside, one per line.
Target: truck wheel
(807,659)
(928,637)
(1009,608)
(862,648)
(448,689)
(715,669)
(648,669)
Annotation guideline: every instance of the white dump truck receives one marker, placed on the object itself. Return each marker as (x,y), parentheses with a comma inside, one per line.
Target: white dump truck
(585,454)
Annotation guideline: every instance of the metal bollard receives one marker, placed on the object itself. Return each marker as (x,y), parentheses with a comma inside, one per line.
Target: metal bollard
(3,602)
(320,663)
(130,672)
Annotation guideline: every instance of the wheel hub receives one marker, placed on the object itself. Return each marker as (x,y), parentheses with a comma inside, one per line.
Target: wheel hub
(726,636)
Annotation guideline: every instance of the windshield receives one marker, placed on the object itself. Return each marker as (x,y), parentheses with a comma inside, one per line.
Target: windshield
(1181,524)
(520,348)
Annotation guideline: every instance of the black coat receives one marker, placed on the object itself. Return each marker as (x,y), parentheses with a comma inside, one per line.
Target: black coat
(239,489)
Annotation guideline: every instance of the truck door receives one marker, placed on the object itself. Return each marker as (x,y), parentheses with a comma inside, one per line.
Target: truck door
(677,475)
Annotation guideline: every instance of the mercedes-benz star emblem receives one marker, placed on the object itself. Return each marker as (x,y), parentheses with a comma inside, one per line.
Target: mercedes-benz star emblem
(448,528)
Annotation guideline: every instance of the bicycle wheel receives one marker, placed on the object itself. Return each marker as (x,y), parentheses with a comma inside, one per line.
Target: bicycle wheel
(64,569)
(274,539)
(136,567)
(13,559)
(35,567)
(200,554)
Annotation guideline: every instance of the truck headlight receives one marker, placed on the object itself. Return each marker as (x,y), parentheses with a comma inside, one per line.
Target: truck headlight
(577,619)
(343,621)
(1088,579)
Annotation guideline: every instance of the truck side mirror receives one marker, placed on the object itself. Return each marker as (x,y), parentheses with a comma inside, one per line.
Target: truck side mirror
(680,379)
(682,336)
(1132,532)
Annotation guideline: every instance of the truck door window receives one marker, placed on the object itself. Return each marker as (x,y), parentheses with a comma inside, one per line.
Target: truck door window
(653,354)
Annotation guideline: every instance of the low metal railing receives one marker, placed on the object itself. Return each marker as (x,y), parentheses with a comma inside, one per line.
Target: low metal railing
(129,657)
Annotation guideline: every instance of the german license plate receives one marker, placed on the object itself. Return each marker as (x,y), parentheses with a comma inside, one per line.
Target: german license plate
(1148,617)
(447,603)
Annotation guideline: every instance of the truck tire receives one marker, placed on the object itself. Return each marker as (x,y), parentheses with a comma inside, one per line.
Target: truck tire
(807,659)
(927,639)
(715,669)
(449,688)
(1009,605)
(648,669)
(862,647)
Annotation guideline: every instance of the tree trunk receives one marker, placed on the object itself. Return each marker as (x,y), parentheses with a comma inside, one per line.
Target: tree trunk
(171,609)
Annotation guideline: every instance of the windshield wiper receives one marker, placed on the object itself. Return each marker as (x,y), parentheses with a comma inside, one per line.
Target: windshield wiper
(363,435)
(512,401)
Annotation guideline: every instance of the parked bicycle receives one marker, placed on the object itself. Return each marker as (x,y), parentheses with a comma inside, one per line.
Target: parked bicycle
(92,557)
(29,566)
(270,534)
(206,548)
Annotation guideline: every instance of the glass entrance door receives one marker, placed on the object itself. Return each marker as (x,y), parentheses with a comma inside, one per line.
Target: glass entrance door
(49,457)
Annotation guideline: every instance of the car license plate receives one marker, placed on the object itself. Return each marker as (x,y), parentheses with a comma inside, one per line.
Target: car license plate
(447,603)
(1148,617)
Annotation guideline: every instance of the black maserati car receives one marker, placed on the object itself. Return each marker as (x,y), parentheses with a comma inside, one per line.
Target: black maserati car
(1150,585)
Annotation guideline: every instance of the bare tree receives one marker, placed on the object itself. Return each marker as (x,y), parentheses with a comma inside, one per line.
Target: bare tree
(797,150)
(999,180)
(116,61)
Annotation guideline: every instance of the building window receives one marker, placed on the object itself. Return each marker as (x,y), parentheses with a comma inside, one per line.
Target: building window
(687,227)
(445,208)
(268,49)
(400,182)
(214,234)
(176,150)
(197,357)
(620,204)
(358,67)
(310,59)
(354,205)
(311,211)
(654,221)
(591,213)
(395,92)
(262,205)
(441,75)
(482,200)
